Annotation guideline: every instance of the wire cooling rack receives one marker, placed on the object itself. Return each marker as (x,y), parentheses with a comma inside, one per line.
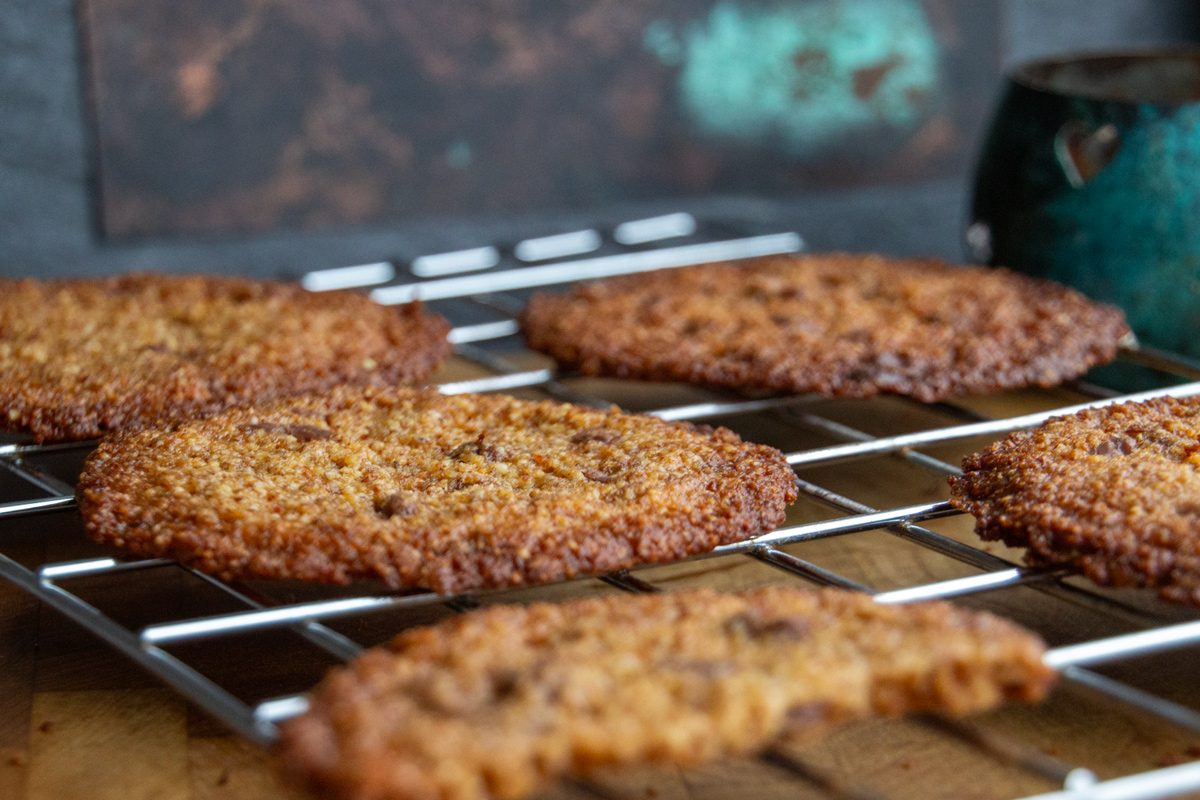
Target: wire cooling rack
(480,289)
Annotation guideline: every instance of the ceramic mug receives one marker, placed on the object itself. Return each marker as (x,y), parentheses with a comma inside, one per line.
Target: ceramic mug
(1090,175)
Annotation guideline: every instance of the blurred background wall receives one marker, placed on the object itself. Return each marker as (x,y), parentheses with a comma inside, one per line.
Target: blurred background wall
(92,118)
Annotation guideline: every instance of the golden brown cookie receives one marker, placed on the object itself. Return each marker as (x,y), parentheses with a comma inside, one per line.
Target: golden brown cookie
(1113,493)
(420,489)
(837,324)
(494,703)
(79,358)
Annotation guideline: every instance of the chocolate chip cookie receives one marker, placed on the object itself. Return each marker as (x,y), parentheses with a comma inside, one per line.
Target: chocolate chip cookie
(494,703)
(1113,493)
(837,324)
(80,358)
(425,490)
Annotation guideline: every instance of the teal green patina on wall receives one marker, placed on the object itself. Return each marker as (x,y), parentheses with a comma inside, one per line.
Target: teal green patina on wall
(805,74)
(258,117)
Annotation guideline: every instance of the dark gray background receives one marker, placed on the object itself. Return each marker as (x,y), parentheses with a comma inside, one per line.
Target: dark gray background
(46,224)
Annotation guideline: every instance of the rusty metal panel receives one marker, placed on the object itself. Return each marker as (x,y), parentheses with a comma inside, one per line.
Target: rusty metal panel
(250,115)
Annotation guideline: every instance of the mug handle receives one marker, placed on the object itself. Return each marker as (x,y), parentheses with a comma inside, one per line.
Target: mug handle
(1083,153)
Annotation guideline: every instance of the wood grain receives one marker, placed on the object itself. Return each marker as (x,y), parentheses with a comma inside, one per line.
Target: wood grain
(18,632)
(108,745)
(228,768)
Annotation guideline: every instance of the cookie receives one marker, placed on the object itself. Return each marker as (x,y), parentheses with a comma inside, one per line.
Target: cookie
(494,703)
(1113,493)
(425,490)
(841,325)
(80,358)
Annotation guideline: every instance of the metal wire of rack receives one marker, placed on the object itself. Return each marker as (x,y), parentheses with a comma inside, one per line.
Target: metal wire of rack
(51,582)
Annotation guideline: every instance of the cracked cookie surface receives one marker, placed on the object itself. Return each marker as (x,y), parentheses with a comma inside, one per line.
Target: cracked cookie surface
(494,703)
(838,324)
(1113,493)
(80,358)
(426,490)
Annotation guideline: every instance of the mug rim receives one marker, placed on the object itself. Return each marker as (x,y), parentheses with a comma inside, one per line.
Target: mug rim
(1033,73)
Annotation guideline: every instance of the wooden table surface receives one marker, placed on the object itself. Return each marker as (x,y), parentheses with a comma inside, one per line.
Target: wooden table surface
(78,720)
